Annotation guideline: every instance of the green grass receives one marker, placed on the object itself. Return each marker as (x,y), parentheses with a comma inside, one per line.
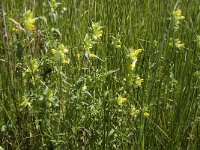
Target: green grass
(51,98)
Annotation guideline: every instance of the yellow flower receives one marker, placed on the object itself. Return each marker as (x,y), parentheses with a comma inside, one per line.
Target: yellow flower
(63,48)
(118,46)
(88,43)
(117,43)
(34,65)
(59,54)
(91,55)
(133,111)
(146,114)
(78,55)
(177,17)
(121,100)
(14,30)
(29,24)
(177,14)
(97,31)
(134,54)
(48,104)
(95,110)
(138,81)
(29,21)
(177,43)
(67,61)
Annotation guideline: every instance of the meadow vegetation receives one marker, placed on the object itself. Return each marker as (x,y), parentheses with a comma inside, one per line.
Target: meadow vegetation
(100,74)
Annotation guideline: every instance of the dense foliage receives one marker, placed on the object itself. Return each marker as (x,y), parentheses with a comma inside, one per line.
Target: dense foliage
(100,74)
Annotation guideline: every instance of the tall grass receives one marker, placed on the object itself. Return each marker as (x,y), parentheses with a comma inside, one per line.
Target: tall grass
(68,85)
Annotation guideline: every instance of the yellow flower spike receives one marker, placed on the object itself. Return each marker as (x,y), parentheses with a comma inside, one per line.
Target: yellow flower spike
(121,100)
(177,14)
(97,34)
(177,17)
(29,21)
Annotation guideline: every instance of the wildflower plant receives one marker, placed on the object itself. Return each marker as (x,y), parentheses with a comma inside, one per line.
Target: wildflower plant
(97,31)
(176,43)
(29,21)
(132,77)
(177,17)
(134,111)
(133,55)
(121,100)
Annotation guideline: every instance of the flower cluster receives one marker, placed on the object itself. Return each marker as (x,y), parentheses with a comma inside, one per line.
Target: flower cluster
(133,56)
(91,39)
(53,5)
(146,112)
(88,43)
(29,21)
(177,17)
(176,43)
(138,82)
(97,31)
(59,55)
(33,66)
(121,100)
(134,112)
(133,78)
